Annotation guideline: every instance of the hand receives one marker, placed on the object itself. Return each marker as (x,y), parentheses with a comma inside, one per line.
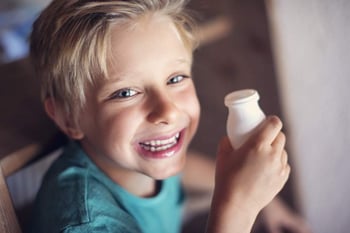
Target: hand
(278,216)
(257,171)
(247,179)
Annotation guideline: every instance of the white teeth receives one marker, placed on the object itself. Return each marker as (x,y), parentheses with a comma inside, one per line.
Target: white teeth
(159,145)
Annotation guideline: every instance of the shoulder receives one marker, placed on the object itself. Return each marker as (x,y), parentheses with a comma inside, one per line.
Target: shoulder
(105,222)
(73,198)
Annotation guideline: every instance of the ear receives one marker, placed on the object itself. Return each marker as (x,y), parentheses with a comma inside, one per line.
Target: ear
(64,122)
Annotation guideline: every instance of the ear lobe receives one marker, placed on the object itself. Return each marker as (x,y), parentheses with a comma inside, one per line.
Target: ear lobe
(75,134)
(64,122)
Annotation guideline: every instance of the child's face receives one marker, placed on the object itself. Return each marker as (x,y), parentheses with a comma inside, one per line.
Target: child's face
(142,118)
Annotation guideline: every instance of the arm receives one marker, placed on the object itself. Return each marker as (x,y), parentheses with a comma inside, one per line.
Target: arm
(246,179)
(199,177)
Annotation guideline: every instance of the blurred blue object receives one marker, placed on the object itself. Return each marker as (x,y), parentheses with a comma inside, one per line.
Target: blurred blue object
(13,46)
(15,27)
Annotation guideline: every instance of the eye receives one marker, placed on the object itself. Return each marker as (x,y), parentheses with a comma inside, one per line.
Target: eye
(176,79)
(124,93)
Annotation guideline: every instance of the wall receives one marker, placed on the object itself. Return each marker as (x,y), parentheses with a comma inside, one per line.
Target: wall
(24,2)
(312,53)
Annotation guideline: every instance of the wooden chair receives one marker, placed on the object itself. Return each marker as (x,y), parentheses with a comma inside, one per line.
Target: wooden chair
(10,218)
(26,133)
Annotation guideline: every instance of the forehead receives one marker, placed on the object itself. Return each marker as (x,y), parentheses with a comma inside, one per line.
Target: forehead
(152,38)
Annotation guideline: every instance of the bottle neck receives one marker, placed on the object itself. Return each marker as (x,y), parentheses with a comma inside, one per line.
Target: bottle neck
(245,109)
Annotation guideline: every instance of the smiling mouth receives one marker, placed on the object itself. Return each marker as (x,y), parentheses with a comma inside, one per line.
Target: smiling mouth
(160,145)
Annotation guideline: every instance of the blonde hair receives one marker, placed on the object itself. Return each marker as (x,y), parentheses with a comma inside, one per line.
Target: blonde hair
(70,42)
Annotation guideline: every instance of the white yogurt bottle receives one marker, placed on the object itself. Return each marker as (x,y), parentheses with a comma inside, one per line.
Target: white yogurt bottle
(244,115)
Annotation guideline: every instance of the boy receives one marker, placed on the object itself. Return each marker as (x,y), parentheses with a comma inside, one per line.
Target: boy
(116,79)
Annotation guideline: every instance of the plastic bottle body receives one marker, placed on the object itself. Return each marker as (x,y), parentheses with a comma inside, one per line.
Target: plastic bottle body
(244,115)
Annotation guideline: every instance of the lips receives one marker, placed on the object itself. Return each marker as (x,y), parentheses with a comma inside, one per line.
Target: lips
(160,145)
(161,148)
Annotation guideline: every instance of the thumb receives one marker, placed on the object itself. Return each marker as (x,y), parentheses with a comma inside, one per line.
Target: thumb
(224,147)
(224,151)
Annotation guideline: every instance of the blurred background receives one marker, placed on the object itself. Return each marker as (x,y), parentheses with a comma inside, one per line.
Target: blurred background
(295,53)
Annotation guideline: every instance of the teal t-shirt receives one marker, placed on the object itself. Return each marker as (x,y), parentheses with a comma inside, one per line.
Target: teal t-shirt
(77,197)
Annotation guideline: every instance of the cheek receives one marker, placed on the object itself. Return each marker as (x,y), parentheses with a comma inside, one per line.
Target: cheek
(120,126)
(195,112)
(111,129)
(191,105)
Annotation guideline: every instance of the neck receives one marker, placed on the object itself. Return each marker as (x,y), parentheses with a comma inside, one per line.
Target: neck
(135,183)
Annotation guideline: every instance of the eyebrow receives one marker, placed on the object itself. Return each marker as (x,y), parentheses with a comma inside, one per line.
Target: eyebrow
(184,60)
(118,76)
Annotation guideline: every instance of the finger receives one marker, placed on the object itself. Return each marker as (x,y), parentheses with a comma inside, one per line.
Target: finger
(280,141)
(286,172)
(284,157)
(269,130)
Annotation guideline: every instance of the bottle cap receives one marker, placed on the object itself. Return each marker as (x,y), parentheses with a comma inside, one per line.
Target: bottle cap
(241,96)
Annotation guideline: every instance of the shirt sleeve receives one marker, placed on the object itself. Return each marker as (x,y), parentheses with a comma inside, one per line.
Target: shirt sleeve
(105,224)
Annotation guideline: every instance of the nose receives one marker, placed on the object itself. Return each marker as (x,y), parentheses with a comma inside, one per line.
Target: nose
(163,109)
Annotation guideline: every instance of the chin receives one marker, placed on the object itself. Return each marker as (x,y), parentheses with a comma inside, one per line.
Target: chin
(165,176)
(168,171)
